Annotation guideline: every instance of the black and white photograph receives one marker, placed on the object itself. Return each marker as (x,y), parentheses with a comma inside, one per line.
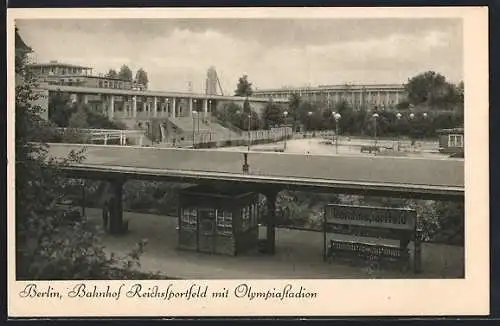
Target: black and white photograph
(199,147)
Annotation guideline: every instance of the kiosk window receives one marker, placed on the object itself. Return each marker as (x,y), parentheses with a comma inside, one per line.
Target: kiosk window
(189,218)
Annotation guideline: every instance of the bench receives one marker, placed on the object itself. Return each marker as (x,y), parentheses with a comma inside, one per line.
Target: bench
(369,149)
(363,233)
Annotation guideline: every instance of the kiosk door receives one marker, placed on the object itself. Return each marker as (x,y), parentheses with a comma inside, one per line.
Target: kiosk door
(206,233)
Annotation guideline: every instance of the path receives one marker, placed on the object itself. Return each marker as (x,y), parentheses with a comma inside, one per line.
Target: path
(299,255)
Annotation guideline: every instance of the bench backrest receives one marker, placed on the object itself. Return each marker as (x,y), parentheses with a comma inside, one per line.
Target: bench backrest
(370,221)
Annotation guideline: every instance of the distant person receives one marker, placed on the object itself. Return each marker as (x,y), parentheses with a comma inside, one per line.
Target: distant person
(173,141)
(105,215)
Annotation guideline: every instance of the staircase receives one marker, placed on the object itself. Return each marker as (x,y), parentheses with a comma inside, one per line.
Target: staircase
(203,126)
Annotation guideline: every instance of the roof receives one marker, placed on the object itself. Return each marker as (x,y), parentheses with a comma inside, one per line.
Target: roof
(58,64)
(451,130)
(335,87)
(20,44)
(117,91)
(219,191)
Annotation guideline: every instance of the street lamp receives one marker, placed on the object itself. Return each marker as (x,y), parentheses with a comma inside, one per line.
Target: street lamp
(309,114)
(337,117)
(194,114)
(285,114)
(398,117)
(210,112)
(249,117)
(375,117)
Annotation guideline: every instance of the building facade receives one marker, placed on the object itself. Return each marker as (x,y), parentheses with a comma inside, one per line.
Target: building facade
(57,73)
(360,95)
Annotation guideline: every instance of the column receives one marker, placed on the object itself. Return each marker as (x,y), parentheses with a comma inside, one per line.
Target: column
(155,108)
(85,99)
(134,106)
(115,207)
(353,99)
(111,108)
(173,109)
(144,106)
(271,221)
(378,98)
(190,107)
(397,97)
(205,107)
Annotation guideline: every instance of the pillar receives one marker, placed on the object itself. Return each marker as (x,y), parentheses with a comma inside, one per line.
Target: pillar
(111,108)
(155,106)
(205,107)
(271,221)
(144,106)
(134,106)
(190,113)
(115,207)
(85,99)
(397,97)
(174,109)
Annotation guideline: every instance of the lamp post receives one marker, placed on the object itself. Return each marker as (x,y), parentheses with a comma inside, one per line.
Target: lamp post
(285,114)
(337,117)
(412,116)
(398,117)
(249,117)
(198,118)
(333,135)
(194,114)
(375,117)
(210,112)
(309,114)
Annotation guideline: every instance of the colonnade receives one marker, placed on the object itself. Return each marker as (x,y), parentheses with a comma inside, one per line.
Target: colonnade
(149,106)
(352,96)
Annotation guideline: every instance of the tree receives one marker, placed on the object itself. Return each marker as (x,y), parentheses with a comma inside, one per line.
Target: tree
(60,109)
(432,90)
(125,73)
(49,244)
(246,106)
(112,74)
(244,87)
(141,77)
(272,115)
(79,119)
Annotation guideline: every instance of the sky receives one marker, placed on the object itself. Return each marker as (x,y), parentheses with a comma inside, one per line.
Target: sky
(272,52)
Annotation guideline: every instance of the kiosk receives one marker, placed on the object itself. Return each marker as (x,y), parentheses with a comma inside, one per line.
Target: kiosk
(222,220)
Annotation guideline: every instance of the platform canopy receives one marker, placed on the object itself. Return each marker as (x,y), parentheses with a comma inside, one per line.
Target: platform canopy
(371,175)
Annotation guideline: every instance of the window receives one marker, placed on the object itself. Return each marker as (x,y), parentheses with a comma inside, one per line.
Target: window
(188,218)
(455,140)
(224,221)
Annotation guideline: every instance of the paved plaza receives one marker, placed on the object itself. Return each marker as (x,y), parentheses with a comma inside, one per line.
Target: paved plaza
(298,255)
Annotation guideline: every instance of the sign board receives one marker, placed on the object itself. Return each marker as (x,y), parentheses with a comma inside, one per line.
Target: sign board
(368,216)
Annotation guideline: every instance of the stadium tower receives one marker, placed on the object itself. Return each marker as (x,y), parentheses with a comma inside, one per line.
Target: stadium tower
(212,82)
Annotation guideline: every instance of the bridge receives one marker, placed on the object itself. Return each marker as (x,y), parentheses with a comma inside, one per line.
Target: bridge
(269,173)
